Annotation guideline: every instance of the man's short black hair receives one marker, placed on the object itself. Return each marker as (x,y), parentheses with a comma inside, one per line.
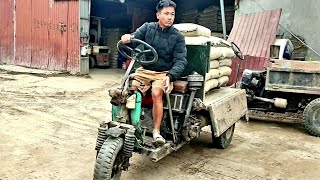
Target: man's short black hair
(165,3)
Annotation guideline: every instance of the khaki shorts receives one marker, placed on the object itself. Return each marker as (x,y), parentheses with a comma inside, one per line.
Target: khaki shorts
(144,79)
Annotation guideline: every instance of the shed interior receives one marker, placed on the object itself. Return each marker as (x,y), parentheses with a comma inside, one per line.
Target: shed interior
(112,18)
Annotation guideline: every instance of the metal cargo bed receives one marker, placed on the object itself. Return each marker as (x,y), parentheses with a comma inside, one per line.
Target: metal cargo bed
(226,106)
(294,76)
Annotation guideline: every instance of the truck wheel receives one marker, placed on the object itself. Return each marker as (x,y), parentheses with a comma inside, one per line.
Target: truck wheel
(311,117)
(92,62)
(223,141)
(109,157)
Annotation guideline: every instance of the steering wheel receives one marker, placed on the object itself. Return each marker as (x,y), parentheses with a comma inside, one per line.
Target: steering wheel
(237,51)
(137,53)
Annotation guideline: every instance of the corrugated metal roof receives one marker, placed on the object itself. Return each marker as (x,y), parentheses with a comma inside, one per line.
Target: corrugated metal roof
(253,33)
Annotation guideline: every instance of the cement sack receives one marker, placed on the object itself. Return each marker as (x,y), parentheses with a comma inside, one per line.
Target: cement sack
(192,30)
(214,64)
(201,40)
(221,53)
(224,71)
(215,53)
(223,81)
(225,62)
(212,83)
(226,52)
(212,74)
(218,42)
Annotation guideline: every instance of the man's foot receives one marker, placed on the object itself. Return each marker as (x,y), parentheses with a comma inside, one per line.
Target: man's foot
(158,139)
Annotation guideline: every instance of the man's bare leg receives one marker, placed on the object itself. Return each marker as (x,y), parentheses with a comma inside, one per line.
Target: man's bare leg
(157,113)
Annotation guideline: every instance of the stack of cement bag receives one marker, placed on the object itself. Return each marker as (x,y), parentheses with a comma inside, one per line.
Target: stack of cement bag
(212,19)
(220,67)
(220,53)
(190,16)
(112,36)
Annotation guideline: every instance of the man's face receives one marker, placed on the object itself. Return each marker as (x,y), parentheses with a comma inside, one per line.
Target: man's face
(166,16)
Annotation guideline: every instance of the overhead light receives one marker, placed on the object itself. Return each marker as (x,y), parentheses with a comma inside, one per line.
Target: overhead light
(122,1)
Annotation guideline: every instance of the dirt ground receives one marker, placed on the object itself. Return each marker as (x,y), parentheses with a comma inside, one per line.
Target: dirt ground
(49,124)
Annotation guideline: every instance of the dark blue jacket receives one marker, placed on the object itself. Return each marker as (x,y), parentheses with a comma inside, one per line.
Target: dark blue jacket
(170,46)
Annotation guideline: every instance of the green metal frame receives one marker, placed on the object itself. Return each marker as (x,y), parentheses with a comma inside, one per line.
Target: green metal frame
(134,115)
(198,57)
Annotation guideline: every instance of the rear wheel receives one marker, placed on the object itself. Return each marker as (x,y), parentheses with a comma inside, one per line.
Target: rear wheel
(92,62)
(108,162)
(223,141)
(311,117)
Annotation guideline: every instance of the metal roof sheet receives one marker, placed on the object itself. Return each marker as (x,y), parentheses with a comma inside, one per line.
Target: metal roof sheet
(253,33)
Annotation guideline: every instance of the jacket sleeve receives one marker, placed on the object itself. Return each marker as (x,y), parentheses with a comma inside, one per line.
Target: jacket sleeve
(140,33)
(179,59)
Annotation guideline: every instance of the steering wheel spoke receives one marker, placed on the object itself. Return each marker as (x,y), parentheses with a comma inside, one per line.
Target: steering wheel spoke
(137,53)
(146,51)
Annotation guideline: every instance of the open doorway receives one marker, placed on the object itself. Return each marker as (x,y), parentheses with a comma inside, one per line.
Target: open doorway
(110,19)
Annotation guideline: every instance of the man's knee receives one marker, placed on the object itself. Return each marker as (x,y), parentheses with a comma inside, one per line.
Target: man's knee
(157,93)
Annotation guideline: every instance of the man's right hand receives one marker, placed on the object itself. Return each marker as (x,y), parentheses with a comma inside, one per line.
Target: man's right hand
(125,39)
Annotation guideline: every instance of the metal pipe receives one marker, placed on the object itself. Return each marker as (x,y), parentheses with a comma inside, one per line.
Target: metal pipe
(126,75)
(264,99)
(186,118)
(171,118)
(223,20)
(277,102)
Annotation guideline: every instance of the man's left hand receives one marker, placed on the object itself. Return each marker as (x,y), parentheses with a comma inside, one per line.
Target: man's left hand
(166,84)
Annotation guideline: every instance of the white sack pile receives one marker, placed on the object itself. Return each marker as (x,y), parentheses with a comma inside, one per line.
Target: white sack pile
(220,53)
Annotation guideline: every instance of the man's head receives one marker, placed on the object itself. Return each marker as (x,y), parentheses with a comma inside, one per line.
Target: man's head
(165,13)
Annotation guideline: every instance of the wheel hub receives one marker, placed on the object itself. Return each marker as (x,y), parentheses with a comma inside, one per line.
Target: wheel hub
(316,117)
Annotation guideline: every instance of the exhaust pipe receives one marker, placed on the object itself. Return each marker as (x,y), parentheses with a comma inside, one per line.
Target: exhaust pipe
(277,102)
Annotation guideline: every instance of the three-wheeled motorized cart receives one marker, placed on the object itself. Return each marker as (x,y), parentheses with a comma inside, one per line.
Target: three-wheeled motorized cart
(186,111)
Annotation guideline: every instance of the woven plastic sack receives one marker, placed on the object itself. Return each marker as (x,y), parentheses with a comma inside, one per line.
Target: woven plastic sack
(212,83)
(200,40)
(225,62)
(218,42)
(223,81)
(212,74)
(214,64)
(221,53)
(192,30)
(224,71)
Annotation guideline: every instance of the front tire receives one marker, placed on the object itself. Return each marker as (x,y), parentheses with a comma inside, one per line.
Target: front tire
(224,140)
(108,159)
(311,117)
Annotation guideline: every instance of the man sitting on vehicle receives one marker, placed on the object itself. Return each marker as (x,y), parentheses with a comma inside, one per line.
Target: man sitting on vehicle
(170,46)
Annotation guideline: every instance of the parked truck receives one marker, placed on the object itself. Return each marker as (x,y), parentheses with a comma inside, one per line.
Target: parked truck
(287,91)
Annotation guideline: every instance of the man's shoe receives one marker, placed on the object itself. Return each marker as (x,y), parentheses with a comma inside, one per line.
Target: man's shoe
(158,139)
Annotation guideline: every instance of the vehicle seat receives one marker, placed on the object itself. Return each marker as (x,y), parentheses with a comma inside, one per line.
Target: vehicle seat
(180,86)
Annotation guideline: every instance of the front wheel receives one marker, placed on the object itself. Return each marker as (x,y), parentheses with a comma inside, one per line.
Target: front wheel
(311,117)
(223,141)
(108,162)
